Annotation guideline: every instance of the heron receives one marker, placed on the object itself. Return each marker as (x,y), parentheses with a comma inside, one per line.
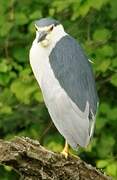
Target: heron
(67,82)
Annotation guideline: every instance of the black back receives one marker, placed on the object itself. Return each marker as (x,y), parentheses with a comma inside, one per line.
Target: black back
(74,73)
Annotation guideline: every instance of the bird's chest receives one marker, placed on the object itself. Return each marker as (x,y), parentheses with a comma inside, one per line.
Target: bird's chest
(43,72)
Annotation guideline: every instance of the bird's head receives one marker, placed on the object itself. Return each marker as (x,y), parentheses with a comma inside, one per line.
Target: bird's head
(48,31)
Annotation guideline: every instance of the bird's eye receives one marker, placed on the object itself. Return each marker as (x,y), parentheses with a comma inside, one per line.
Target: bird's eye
(51,28)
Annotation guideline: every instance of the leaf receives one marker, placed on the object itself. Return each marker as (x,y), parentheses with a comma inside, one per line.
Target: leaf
(5,29)
(104,52)
(3,66)
(6,97)
(112,169)
(54,143)
(98,3)
(17,66)
(19,89)
(102,34)
(20,19)
(114,62)
(51,11)
(100,123)
(20,54)
(113,12)
(113,79)
(26,72)
(102,163)
(105,144)
(112,114)
(35,15)
(60,6)
(104,108)
(38,96)
(104,65)
(24,87)
(107,51)
(5,109)
(84,9)
(4,79)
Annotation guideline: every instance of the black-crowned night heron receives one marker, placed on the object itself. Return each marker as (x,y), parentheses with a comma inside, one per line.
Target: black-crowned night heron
(66,80)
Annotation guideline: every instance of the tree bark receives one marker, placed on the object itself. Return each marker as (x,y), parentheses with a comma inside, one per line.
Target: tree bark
(34,162)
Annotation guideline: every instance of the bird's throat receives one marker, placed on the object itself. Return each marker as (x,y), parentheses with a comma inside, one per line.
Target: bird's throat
(44,43)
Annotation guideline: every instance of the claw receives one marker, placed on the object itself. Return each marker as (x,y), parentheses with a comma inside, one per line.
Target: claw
(65,151)
(65,154)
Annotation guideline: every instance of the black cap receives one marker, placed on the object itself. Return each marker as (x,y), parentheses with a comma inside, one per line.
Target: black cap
(46,22)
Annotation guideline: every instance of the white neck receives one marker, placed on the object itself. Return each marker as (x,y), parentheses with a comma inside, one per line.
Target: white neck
(58,33)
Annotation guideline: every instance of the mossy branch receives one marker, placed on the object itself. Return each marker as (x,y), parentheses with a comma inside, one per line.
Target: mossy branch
(34,162)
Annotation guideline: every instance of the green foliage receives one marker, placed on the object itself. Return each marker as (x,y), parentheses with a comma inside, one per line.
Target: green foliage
(22,111)
(101,35)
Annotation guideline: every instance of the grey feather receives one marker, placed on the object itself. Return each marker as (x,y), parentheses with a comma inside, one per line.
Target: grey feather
(74,73)
(70,123)
(46,22)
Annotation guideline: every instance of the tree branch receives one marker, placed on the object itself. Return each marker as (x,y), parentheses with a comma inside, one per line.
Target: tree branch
(34,162)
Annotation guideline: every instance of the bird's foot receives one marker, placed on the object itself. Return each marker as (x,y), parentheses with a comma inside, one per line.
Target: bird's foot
(65,151)
(65,154)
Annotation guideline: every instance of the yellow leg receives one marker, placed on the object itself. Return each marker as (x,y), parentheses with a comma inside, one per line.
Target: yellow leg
(65,151)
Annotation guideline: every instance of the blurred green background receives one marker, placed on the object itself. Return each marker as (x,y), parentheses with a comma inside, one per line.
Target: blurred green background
(22,111)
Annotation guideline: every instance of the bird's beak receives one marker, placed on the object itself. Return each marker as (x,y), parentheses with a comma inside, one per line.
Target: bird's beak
(41,36)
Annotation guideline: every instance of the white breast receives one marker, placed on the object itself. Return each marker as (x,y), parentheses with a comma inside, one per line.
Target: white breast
(39,60)
(44,75)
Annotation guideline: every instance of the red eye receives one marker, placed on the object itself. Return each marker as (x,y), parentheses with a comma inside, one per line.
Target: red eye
(36,28)
(51,28)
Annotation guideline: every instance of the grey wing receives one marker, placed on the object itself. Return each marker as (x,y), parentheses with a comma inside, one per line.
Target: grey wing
(74,73)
